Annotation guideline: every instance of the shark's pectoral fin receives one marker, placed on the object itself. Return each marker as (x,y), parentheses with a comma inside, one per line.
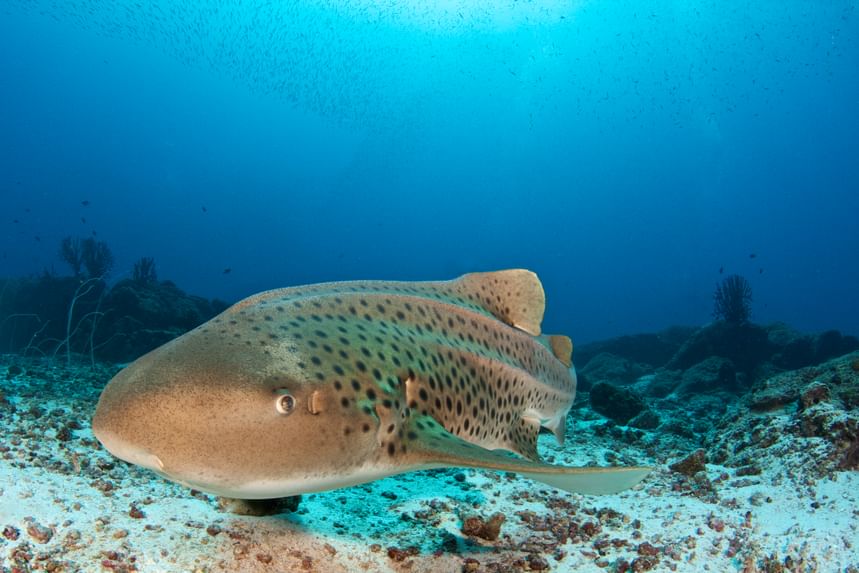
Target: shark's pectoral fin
(431,445)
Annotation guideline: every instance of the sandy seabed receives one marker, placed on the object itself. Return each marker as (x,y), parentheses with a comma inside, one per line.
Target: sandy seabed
(780,495)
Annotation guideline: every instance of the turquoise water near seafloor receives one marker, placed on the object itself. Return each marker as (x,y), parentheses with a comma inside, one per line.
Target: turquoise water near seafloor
(162,160)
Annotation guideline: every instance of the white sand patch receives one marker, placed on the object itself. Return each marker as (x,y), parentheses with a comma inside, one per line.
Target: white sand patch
(66,505)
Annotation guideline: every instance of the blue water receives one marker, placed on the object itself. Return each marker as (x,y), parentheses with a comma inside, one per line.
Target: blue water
(625,153)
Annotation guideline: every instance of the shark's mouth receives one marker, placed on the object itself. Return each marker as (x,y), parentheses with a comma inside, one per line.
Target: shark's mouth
(131,454)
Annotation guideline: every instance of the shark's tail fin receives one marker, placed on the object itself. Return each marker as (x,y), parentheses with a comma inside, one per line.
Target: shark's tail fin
(592,481)
(433,446)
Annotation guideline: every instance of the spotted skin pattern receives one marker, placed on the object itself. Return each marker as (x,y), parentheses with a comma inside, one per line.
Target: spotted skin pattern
(433,349)
(378,378)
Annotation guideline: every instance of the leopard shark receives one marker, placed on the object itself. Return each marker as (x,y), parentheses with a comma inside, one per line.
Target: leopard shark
(318,387)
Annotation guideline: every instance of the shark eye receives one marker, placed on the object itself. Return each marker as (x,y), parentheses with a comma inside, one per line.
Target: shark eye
(285,404)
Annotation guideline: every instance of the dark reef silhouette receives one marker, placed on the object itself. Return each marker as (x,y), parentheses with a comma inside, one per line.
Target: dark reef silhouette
(621,375)
(82,316)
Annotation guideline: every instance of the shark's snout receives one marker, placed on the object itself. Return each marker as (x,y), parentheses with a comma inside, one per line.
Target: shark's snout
(116,427)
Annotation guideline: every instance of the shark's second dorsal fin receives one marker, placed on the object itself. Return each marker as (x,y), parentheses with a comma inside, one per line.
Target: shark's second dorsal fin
(513,296)
(562,348)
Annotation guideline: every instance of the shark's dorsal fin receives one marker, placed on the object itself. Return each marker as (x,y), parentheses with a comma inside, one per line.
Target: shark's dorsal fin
(513,296)
(433,446)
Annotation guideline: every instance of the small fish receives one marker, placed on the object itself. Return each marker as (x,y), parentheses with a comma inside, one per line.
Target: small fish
(753,256)
(85,203)
(721,270)
(760,271)
(228,270)
(83,220)
(325,386)
(204,209)
(38,239)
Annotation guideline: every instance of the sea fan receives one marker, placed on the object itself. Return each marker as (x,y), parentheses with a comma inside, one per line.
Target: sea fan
(733,300)
(71,251)
(97,258)
(144,271)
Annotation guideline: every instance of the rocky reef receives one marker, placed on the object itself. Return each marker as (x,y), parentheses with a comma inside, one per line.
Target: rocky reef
(87,319)
(752,430)
(757,476)
(722,357)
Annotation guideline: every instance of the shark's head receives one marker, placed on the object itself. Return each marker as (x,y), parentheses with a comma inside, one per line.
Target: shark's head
(216,414)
